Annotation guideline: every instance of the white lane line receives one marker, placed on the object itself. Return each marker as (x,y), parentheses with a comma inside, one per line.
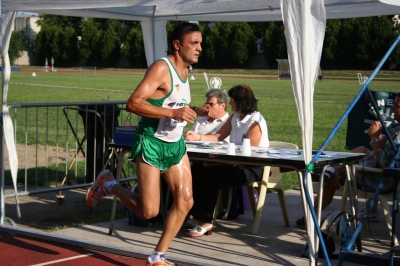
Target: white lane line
(70,258)
(63,87)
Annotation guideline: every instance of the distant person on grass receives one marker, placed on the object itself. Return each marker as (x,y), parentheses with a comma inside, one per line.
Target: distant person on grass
(162,100)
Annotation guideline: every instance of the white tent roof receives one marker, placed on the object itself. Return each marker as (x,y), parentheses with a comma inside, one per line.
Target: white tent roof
(304,22)
(201,10)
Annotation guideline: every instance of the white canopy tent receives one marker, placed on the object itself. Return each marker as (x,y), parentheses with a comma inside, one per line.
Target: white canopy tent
(304,29)
(154,13)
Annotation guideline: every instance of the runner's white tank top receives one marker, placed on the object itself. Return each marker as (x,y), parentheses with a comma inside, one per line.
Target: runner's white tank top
(167,129)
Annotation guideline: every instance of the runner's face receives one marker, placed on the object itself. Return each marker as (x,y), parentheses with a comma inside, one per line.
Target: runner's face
(191,47)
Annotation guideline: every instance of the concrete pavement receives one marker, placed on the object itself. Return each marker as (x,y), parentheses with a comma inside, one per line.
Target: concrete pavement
(231,242)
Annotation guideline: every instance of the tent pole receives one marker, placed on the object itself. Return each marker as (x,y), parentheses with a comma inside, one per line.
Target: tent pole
(2,150)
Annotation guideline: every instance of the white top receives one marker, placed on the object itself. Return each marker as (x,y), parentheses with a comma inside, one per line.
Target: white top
(240,127)
(203,126)
(170,130)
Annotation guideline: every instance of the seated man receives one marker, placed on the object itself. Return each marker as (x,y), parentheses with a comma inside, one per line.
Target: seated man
(216,103)
(217,114)
(380,157)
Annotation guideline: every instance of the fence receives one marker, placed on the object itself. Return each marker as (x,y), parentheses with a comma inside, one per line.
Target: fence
(64,146)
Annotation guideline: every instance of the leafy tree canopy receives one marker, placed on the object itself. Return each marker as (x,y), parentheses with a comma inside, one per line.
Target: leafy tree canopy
(17,45)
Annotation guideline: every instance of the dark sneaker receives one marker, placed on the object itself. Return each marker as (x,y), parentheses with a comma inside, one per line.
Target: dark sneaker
(301,223)
(328,175)
(316,173)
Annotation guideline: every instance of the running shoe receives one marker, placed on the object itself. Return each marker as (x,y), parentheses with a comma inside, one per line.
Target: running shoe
(158,260)
(317,172)
(328,174)
(100,188)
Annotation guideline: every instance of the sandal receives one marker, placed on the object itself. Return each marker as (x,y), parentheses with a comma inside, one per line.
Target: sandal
(198,231)
(190,223)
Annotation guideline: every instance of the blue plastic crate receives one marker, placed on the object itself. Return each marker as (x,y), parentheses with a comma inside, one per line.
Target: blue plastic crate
(125,138)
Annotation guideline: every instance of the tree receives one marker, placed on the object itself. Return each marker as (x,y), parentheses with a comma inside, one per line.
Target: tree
(67,47)
(274,43)
(382,37)
(133,48)
(258,28)
(328,57)
(43,43)
(243,43)
(72,40)
(228,44)
(88,40)
(357,43)
(209,52)
(17,45)
(58,39)
(60,21)
(108,48)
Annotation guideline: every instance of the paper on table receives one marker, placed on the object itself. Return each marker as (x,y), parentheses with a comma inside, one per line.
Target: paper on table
(282,155)
(276,151)
(199,142)
(326,155)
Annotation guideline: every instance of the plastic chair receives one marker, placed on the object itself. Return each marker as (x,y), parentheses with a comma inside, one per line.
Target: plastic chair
(382,198)
(268,180)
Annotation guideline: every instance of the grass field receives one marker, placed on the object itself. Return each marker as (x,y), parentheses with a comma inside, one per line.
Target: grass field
(276,99)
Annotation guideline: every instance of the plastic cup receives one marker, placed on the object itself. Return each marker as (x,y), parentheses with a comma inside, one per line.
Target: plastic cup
(246,148)
(231,149)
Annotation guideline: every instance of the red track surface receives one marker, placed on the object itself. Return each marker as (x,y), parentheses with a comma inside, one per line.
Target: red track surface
(20,251)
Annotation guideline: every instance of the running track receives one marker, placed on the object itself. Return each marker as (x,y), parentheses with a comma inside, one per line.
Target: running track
(17,250)
(19,247)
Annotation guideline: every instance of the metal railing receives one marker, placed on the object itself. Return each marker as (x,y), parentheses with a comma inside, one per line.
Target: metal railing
(62,146)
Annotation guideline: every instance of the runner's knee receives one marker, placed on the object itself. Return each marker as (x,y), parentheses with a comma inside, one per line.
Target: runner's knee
(184,204)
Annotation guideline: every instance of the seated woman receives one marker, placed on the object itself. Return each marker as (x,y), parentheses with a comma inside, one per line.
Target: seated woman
(245,122)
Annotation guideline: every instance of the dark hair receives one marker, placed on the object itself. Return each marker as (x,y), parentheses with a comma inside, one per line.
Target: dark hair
(219,94)
(180,31)
(244,99)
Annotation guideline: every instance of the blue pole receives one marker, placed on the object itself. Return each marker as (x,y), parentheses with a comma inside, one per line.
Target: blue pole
(329,138)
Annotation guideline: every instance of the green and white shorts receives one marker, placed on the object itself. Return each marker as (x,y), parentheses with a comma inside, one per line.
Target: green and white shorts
(156,152)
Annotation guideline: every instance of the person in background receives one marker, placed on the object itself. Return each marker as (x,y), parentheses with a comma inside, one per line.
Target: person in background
(162,100)
(245,122)
(380,157)
(216,103)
